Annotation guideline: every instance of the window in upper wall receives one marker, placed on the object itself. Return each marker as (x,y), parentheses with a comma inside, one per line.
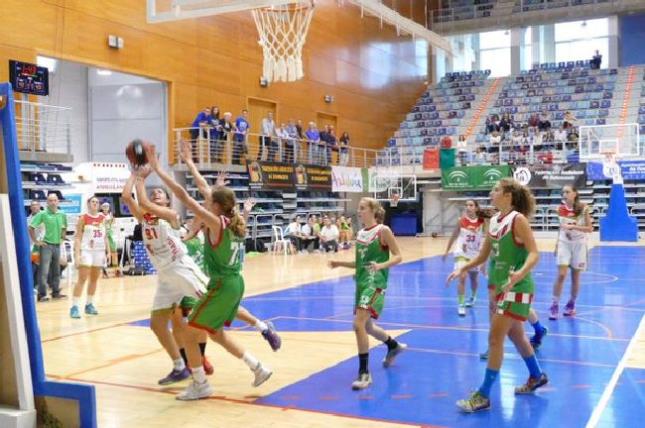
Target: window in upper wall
(495,39)
(581,30)
(582,49)
(498,61)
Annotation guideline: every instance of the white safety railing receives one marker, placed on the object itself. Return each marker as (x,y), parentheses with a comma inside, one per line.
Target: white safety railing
(211,146)
(43,128)
(456,11)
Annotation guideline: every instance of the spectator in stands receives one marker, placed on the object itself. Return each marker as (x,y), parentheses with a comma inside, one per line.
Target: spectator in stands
(446,142)
(534,120)
(301,134)
(324,141)
(569,120)
(313,139)
(285,143)
(215,123)
(34,209)
(344,148)
(266,138)
(292,132)
(329,236)
(462,150)
(332,144)
(560,135)
(480,156)
(293,233)
(544,124)
(495,138)
(55,224)
(227,127)
(505,123)
(596,60)
(492,124)
(310,235)
(202,120)
(240,148)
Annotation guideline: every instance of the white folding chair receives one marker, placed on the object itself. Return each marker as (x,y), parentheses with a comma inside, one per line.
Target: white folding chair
(279,243)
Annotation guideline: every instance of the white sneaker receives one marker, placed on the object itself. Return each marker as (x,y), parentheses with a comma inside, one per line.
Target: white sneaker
(392,354)
(461,310)
(262,374)
(195,391)
(364,380)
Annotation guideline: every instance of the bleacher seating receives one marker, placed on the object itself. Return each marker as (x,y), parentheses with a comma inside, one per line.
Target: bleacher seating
(641,111)
(440,110)
(459,10)
(547,89)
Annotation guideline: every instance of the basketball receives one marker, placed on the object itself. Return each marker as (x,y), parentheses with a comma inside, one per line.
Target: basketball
(135,152)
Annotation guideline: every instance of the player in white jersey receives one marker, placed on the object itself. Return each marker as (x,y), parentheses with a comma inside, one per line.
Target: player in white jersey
(469,234)
(571,249)
(178,276)
(91,251)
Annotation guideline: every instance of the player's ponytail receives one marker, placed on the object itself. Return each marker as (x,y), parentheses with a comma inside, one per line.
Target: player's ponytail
(226,200)
(522,199)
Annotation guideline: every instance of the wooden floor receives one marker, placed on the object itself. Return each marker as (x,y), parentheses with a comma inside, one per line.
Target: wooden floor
(124,362)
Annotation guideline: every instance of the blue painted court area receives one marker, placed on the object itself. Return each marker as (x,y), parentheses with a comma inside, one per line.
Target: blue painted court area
(442,364)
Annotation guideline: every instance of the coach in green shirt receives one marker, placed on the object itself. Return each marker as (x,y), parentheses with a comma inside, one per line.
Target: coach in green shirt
(55,223)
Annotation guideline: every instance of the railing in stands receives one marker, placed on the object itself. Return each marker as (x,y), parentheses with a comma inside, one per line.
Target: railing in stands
(212,149)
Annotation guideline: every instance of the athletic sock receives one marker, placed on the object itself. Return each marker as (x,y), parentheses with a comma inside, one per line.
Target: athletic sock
(198,374)
(182,352)
(556,300)
(363,360)
(489,379)
(90,300)
(391,343)
(533,366)
(250,360)
(76,301)
(179,364)
(202,348)
(260,325)
(460,299)
(537,326)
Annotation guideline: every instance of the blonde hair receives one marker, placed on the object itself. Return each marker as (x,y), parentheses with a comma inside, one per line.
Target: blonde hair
(522,199)
(377,209)
(227,202)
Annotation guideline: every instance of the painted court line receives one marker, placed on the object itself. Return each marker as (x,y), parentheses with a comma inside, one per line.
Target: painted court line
(444,327)
(609,389)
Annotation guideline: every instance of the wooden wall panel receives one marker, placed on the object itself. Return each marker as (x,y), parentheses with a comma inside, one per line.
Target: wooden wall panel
(374,76)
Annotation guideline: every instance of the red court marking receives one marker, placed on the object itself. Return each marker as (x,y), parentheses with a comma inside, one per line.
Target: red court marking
(329,397)
(251,403)
(581,386)
(365,397)
(401,396)
(78,333)
(439,395)
(112,362)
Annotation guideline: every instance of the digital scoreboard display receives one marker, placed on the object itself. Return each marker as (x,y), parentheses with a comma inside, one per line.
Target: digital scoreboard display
(29,78)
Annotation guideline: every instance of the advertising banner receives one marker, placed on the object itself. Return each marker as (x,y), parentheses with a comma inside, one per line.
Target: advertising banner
(552,175)
(271,176)
(346,179)
(312,177)
(473,177)
(631,170)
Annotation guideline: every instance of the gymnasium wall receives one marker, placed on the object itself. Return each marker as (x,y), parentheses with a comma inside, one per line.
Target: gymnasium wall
(632,34)
(374,75)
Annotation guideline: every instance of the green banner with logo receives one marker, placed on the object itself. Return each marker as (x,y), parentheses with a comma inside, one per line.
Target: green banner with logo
(464,178)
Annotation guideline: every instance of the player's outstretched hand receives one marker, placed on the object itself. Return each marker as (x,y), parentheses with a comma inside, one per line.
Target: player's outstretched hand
(457,273)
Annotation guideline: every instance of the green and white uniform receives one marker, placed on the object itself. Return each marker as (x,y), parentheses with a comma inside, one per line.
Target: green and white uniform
(195,248)
(109,227)
(223,262)
(371,286)
(506,257)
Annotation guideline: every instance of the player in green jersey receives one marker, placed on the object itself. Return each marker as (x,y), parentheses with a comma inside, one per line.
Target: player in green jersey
(513,254)
(374,244)
(225,233)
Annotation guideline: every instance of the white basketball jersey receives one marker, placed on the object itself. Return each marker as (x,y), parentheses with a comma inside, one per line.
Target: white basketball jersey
(162,242)
(567,215)
(94,233)
(471,237)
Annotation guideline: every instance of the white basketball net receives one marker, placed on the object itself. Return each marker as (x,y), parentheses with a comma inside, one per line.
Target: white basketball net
(282,31)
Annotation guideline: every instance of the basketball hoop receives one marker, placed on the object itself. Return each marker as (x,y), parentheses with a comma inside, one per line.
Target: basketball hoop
(283,30)
(610,167)
(394,200)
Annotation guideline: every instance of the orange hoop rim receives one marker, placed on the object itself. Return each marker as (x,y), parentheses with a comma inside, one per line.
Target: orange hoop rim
(296,6)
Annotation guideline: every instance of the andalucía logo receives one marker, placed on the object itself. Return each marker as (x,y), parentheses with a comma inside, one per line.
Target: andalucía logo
(523,175)
(458,178)
(492,176)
